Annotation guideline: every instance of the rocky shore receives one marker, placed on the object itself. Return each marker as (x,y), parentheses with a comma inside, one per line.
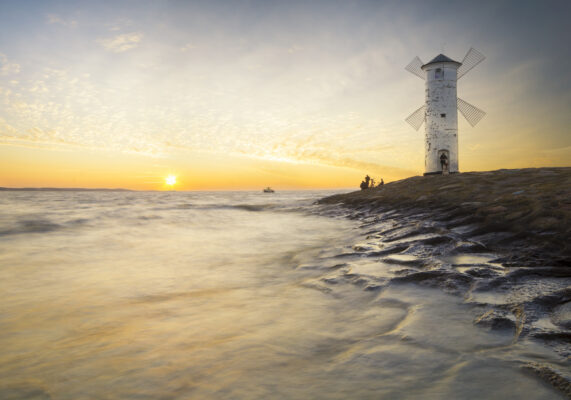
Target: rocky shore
(524,211)
(501,239)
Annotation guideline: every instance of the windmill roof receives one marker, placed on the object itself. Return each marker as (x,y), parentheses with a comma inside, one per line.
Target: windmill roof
(441,58)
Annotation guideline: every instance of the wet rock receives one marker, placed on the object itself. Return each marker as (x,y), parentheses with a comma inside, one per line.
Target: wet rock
(453,186)
(497,320)
(374,287)
(562,315)
(554,299)
(364,247)
(388,250)
(547,272)
(514,215)
(563,336)
(469,247)
(307,267)
(407,233)
(449,281)
(436,240)
(495,209)
(474,204)
(496,284)
(550,375)
(337,266)
(406,271)
(482,272)
(349,255)
(403,259)
(545,223)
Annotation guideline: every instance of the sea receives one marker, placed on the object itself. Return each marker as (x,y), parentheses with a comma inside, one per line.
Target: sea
(237,295)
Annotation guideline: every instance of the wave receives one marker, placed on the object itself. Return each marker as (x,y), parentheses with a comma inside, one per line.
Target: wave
(41,225)
(504,293)
(31,226)
(241,207)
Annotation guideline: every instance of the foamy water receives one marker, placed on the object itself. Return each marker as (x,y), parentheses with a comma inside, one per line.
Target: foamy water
(231,295)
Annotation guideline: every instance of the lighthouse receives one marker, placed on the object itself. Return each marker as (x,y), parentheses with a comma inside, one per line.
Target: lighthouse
(440,111)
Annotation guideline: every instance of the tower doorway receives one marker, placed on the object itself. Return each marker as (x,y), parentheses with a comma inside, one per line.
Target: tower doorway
(444,160)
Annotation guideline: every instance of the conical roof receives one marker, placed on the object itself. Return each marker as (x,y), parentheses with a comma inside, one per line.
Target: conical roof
(441,58)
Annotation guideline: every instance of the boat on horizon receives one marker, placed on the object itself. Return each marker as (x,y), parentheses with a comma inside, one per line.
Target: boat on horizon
(269,190)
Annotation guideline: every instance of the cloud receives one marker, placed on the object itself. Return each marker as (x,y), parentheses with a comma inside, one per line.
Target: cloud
(121,43)
(188,47)
(56,19)
(7,67)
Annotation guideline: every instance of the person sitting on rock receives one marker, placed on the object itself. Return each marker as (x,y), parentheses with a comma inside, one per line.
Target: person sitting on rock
(365,183)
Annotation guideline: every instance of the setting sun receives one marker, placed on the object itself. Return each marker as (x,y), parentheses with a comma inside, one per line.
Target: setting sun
(170,180)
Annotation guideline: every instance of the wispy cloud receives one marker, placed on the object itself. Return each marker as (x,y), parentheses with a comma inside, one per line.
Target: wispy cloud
(121,43)
(58,20)
(188,47)
(7,67)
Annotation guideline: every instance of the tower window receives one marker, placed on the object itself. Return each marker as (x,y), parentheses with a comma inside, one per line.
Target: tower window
(438,73)
(442,115)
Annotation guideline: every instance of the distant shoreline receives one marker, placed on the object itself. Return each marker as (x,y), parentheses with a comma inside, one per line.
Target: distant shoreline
(49,189)
(56,189)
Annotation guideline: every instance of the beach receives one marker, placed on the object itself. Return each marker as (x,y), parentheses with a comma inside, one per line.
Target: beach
(246,295)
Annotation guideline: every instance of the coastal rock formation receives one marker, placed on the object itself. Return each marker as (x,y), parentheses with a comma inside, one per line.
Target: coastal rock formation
(524,211)
(499,239)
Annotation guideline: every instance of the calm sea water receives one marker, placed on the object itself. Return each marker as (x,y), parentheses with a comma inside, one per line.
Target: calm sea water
(226,295)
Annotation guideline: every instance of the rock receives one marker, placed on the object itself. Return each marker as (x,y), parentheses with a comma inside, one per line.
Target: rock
(472,203)
(496,320)
(448,187)
(545,223)
(364,247)
(495,209)
(550,375)
(562,315)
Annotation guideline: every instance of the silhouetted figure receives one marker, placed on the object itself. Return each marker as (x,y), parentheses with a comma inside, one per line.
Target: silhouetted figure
(365,184)
(382,182)
(372,185)
(443,161)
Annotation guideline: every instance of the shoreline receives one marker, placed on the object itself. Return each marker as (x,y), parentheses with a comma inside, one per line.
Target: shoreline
(499,239)
(526,212)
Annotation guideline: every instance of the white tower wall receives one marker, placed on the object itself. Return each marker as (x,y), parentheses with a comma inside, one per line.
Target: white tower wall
(441,122)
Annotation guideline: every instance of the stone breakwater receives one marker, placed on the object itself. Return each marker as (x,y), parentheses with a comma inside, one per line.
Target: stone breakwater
(524,211)
(501,239)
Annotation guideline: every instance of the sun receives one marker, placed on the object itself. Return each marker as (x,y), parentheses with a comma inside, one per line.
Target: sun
(170,180)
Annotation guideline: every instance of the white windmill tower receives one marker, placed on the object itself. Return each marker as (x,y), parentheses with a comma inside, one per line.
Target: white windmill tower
(439,113)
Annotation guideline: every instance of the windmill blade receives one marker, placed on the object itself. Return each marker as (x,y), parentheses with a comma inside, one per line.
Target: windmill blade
(414,67)
(472,114)
(416,118)
(473,57)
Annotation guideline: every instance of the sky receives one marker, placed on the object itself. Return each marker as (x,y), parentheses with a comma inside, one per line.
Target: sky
(230,95)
